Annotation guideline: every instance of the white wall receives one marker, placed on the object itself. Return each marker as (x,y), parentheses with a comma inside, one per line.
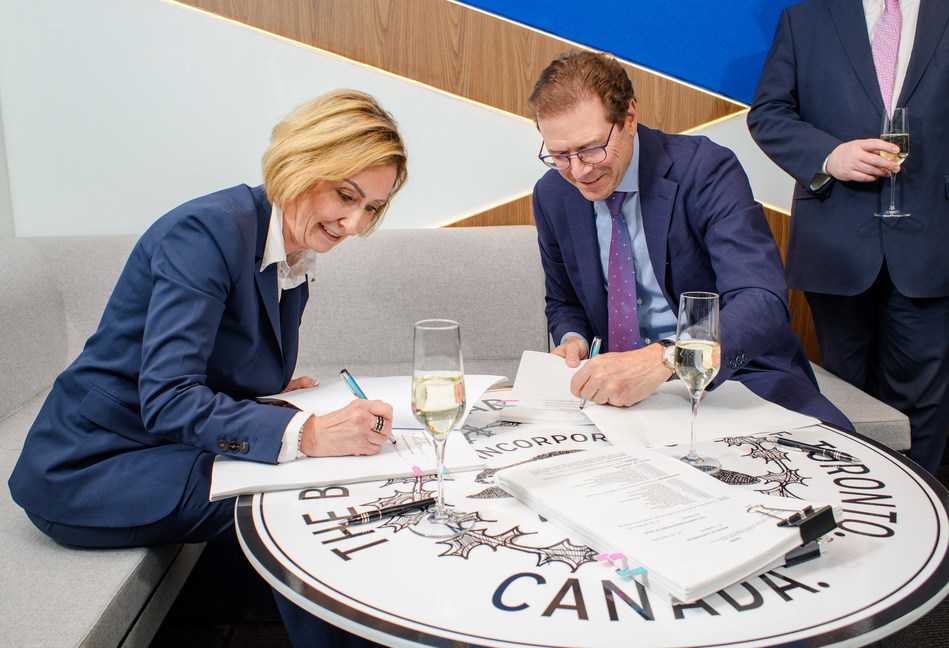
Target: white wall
(115,111)
(6,207)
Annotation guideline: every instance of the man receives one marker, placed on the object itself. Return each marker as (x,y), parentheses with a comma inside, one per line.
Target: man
(692,224)
(878,287)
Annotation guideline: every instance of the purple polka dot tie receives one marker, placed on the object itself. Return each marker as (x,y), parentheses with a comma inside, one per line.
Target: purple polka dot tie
(621,281)
(886,45)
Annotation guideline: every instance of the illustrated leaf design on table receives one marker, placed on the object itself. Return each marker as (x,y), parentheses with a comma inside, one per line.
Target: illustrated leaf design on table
(783,478)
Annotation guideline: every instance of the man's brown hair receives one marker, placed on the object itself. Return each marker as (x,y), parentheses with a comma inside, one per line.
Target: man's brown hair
(574,77)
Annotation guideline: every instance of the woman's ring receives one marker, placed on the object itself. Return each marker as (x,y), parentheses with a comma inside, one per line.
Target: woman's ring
(380,423)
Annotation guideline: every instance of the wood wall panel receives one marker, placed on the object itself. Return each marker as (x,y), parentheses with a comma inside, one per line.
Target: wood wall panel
(515,212)
(483,58)
(455,48)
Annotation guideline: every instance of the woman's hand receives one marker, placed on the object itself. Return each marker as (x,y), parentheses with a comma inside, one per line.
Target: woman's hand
(303,382)
(347,431)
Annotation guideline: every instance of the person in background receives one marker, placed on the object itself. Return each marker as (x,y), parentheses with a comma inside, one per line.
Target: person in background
(204,317)
(878,288)
(683,207)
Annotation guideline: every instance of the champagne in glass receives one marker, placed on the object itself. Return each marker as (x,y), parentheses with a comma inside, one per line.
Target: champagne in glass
(698,356)
(438,402)
(896,131)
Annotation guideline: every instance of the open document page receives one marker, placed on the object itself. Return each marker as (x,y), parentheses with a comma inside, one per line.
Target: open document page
(395,390)
(412,454)
(661,419)
(541,392)
(693,534)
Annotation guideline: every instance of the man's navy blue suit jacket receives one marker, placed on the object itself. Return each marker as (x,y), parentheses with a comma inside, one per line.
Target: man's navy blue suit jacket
(819,89)
(704,231)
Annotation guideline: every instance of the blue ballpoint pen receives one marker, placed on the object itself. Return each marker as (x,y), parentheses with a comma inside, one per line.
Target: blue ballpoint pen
(348,379)
(594,349)
(357,392)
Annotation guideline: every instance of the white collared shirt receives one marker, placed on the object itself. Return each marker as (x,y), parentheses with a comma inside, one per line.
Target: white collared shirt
(292,270)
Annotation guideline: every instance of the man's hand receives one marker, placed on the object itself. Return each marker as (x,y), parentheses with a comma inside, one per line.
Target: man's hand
(621,379)
(860,160)
(573,350)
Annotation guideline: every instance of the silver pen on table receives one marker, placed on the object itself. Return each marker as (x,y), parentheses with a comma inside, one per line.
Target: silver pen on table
(390,511)
(830,453)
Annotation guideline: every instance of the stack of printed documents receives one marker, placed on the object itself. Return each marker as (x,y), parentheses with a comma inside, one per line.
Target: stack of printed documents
(685,533)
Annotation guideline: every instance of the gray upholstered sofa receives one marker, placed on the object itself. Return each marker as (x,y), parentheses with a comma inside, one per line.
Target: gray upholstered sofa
(359,316)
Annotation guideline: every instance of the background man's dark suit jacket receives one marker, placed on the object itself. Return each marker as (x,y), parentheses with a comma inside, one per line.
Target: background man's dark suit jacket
(704,231)
(819,89)
(191,332)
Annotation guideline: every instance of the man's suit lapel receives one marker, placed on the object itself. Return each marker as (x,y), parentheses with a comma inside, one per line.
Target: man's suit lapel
(656,199)
(930,26)
(585,248)
(851,26)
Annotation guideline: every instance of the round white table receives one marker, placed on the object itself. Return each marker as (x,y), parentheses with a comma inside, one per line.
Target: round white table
(514,579)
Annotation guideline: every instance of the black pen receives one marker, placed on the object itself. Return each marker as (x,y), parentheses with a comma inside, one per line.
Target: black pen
(389,511)
(837,455)
(594,349)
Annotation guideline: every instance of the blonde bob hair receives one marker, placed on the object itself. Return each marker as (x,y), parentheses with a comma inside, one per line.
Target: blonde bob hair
(331,138)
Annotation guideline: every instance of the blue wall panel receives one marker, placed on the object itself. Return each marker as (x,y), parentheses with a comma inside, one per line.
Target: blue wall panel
(719,46)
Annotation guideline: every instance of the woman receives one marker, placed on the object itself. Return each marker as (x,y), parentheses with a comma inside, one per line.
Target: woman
(204,317)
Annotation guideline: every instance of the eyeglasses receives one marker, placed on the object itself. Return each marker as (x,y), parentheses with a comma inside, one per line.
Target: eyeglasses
(590,155)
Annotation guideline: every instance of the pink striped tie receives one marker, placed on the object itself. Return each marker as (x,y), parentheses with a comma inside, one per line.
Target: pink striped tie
(623,319)
(886,45)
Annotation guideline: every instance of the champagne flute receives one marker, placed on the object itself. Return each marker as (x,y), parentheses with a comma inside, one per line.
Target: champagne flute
(698,356)
(895,131)
(438,402)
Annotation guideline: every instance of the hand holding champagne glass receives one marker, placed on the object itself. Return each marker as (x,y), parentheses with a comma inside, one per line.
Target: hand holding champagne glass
(698,356)
(438,402)
(895,130)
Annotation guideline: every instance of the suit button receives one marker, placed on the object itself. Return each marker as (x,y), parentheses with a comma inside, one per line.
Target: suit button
(234,446)
(245,447)
(221,445)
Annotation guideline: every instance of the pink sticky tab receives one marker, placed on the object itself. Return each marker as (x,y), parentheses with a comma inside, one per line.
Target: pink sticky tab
(417,470)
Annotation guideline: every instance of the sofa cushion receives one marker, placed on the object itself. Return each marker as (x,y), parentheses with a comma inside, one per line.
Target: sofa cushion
(53,293)
(369,292)
(870,417)
(87,268)
(33,343)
